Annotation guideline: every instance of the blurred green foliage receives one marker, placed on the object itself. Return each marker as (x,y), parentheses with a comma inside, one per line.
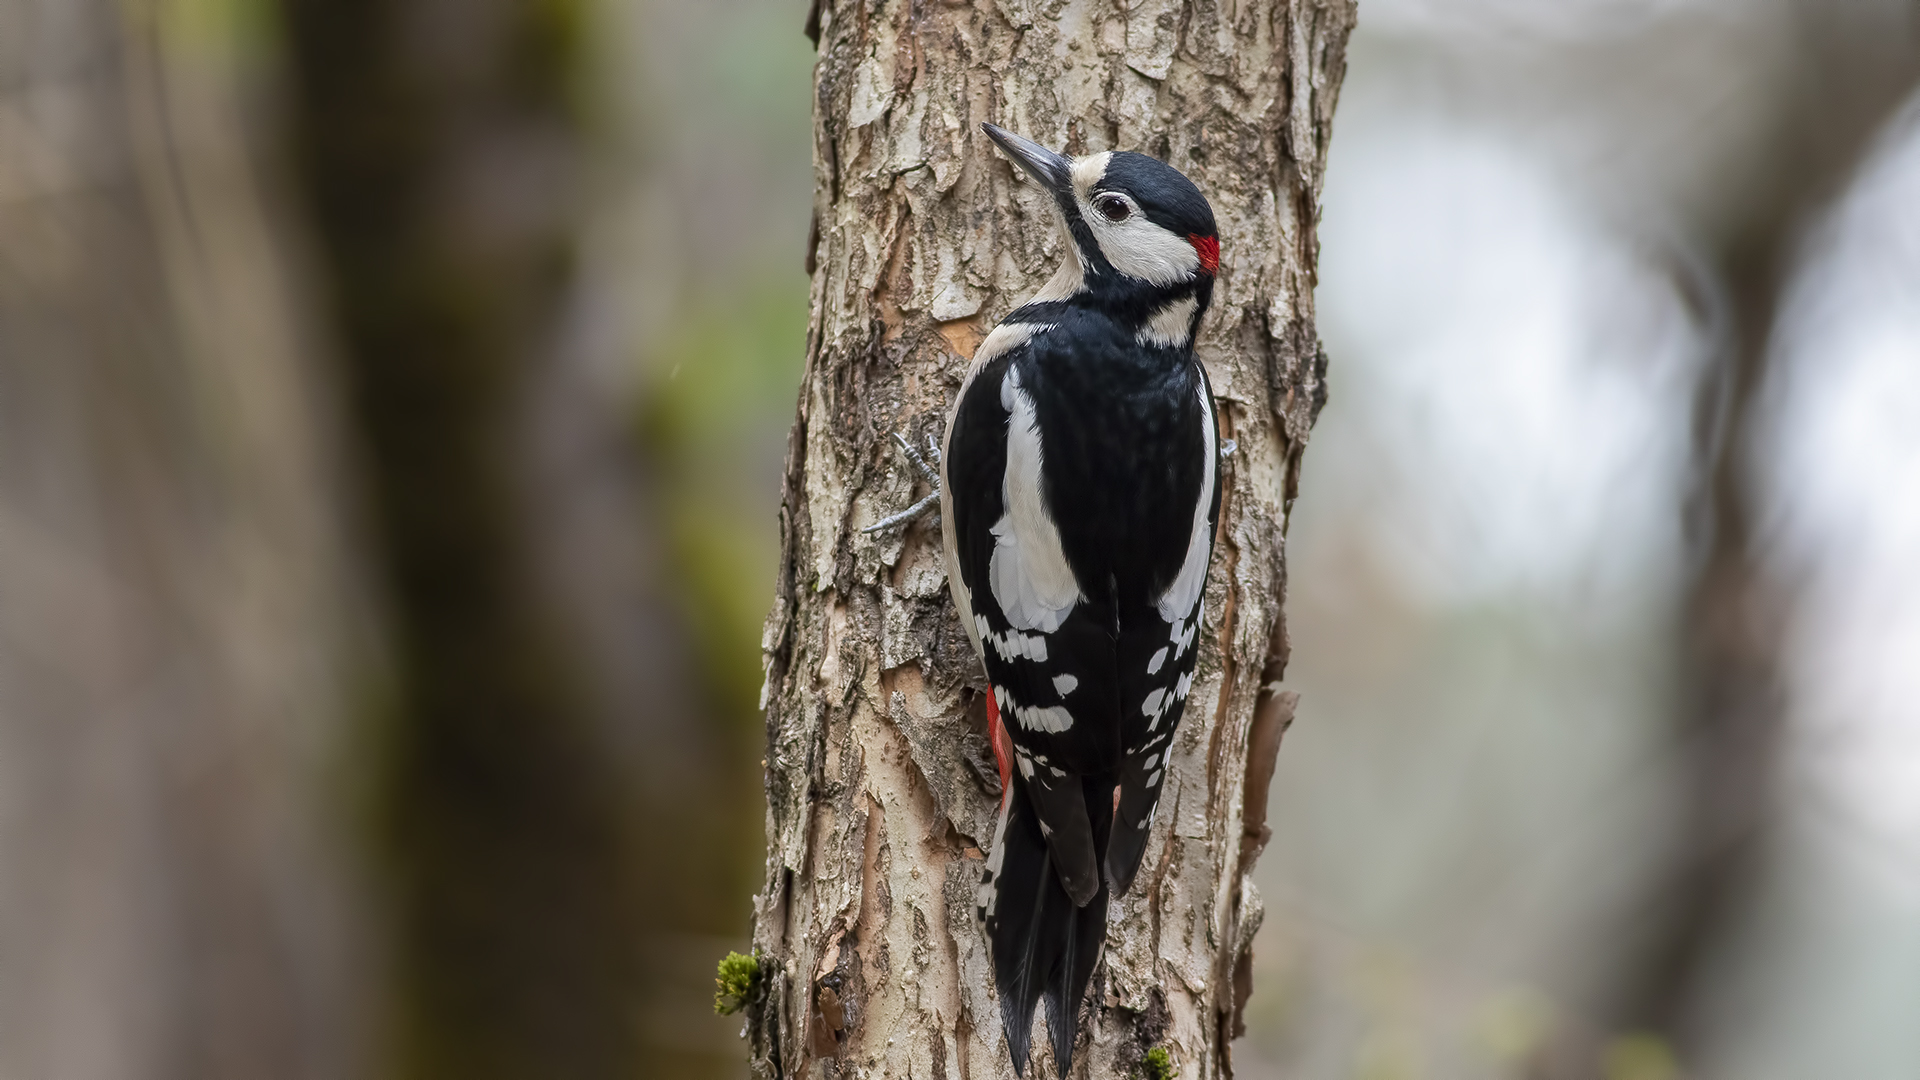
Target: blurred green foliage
(712,417)
(1641,1057)
(237,30)
(713,420)
(515,904)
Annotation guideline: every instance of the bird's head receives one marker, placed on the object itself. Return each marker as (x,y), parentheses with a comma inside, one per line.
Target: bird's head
(1141,231)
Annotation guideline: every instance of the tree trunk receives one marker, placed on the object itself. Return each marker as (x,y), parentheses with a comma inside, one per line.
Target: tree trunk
(178,608)
(439,149)
(1857,65)
(880,786)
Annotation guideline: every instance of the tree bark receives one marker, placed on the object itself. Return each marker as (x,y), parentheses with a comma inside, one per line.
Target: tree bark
(880,785)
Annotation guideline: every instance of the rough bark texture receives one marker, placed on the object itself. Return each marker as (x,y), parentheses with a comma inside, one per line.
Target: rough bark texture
(879,780)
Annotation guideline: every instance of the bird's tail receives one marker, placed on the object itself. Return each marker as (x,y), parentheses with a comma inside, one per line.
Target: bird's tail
(1044,946)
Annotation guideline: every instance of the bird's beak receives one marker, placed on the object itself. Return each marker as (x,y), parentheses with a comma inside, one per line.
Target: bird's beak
(1054,171)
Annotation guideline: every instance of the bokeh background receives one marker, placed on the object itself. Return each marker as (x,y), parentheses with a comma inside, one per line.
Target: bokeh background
(392,404)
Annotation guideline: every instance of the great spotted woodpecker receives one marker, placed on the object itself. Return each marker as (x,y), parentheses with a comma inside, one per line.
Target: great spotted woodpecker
(1080,487)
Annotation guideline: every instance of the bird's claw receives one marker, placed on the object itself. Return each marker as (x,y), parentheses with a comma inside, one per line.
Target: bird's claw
(931,474)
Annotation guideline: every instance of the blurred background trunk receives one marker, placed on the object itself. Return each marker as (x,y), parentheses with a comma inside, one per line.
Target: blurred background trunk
(437,147)
(1855,64)
(347,682)
(543,802)
(565,807)
(878,797)
(182,623)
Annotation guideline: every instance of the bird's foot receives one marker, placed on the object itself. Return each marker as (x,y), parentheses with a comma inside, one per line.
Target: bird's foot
(930,472)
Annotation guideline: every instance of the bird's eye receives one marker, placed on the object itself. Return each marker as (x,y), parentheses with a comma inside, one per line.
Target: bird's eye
(1113,207)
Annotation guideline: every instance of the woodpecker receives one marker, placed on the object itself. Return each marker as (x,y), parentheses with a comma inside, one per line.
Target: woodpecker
(1080,486)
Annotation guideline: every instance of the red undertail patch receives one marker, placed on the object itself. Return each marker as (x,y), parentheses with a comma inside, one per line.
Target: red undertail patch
(1002,746)
(1208,248)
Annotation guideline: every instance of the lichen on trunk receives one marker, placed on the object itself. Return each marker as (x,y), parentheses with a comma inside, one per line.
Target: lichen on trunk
(880,785)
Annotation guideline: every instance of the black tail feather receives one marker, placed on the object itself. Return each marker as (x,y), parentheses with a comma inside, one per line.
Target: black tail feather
(1142,776)
(1085,932)
(1132,825)
(1044,946)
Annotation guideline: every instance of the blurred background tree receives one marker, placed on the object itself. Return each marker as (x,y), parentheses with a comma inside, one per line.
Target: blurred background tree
(184,629)
(1548,660)
(567,797)
(392,398)
(437,147)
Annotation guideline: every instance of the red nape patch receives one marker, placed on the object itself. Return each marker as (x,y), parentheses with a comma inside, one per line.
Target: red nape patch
(1208,248)
(1002,746)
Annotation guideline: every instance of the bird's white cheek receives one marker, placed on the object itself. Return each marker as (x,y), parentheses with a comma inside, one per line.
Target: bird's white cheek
(1140,249)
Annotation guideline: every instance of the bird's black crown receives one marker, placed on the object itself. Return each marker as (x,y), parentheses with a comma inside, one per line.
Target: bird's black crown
(1165,195)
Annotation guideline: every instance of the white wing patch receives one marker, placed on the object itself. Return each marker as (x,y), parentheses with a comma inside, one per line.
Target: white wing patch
(1003,337)
(1185,633)
(1012,645)
(1158,703)
(1052,719)
(987,899)
(1028,571)
(1184,593)
(1065,684)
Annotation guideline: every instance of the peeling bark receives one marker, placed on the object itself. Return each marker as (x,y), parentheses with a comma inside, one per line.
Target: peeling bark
(880,787)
